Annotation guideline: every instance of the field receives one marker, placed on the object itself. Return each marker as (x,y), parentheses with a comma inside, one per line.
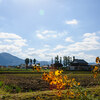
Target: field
(28,85)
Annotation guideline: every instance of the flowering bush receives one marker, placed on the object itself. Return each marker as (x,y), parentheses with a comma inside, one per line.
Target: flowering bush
(59,82)
(36,67)
(95,70)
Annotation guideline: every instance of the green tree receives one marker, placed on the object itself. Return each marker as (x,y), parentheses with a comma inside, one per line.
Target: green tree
(65,61)
(51,60)
(34,60)
(27,62)
(57,59)
(61,60)
(30,62)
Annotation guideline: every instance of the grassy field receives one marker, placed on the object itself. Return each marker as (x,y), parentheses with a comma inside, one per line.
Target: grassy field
(28,85)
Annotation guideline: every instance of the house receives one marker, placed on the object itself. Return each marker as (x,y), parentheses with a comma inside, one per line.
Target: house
(45,67)
(79,64)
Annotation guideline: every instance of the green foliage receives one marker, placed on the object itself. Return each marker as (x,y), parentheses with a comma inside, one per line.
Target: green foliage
(8,88)
(12,89)
(18,89)
(1,84)
(27,61)
(34,60)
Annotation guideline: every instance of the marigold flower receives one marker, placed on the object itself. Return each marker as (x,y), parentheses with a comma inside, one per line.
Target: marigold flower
(78,83)
(73,79)
(57,73)
(97,60)
(95,75)
(59,93)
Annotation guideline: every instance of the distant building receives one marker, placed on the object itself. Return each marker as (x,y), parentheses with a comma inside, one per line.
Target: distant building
(22,66)
(79,64)
(2,66)
(45,67)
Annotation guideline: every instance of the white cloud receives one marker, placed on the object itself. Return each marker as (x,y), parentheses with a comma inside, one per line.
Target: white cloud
(87,57)
(69,39)
(11,42)
(37,53)
(89,34)
(40,36)
(48,31)
(89,42)
(8,40)
(71,22)
(58,47)
(46,34)
(9,35)
(47,46)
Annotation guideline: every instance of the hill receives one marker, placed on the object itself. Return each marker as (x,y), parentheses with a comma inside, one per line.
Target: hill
(7,59)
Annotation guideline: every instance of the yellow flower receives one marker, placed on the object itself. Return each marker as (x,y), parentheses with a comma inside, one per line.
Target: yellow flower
(73,79)
(78,83)
(74,83)
(57,72)
(59,93)
(65,77)
(60,71)
(95,75)
(96,68)
(97,60)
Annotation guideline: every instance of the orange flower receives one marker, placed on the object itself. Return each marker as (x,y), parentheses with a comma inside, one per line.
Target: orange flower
(95,75)
(59,93)
(78,83)
(97,60)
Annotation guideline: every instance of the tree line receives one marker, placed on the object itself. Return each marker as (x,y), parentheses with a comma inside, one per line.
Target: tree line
(65,60)
(27,61)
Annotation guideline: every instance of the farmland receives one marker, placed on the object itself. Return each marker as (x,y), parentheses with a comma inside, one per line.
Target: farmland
(28,85)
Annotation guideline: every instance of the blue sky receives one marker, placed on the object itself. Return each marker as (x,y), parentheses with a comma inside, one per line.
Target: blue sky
(42,29)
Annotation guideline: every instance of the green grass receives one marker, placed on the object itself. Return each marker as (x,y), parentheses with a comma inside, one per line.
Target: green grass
(47,95)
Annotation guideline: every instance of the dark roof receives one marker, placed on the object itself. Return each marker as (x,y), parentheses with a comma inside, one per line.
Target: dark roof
(79,61)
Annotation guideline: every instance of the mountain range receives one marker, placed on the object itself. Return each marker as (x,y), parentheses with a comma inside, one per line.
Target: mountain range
(7,59)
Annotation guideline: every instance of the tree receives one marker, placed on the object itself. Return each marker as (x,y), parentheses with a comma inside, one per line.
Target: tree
(57,59)
(51,60)
(34,60)
(30,62)
(58,65)
(65,61)
(27,62)
(73,58)
(61,60)
(69,60)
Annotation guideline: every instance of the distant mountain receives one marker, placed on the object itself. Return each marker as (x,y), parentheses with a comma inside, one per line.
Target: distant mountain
(44,63)
(92,63)
(7,59)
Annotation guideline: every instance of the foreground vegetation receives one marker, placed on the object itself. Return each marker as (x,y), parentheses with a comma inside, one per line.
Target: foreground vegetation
(25,86)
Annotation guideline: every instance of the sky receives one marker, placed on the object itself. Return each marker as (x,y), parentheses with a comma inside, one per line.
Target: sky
(42,29)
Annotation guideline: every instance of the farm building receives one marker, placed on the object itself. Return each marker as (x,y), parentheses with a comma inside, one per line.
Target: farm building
(79,64)
(45,67)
